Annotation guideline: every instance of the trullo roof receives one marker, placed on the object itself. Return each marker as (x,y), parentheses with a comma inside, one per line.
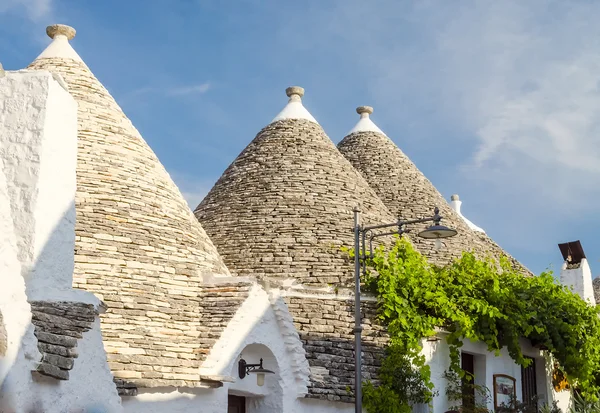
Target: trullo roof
(138,245)
(283,208)
(409,194)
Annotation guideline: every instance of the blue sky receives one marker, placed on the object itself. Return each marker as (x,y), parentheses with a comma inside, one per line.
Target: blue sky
(496,101)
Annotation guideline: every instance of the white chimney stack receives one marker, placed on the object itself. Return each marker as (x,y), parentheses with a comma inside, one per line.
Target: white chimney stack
(455,204)
(576,272)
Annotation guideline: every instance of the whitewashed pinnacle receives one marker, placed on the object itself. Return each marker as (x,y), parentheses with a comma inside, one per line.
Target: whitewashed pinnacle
(455,203)
(60,47)
(365,124)
(294,109)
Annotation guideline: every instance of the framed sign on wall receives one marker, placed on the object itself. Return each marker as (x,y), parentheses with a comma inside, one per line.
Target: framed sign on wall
(505,390)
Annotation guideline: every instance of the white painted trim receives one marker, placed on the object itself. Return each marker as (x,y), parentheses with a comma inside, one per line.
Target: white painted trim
(292,341)
(251,314)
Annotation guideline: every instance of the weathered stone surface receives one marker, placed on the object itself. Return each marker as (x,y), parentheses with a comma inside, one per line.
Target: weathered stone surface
(596,285)
(409,194)
(179,356)
(3,335)
(52,371)
(138,246)
(125,388)
(55,339)
(59,350)
(283,208)
(58,324)
(64,363)
(326,330)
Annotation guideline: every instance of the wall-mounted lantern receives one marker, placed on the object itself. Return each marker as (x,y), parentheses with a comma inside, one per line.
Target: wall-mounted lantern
(244,369)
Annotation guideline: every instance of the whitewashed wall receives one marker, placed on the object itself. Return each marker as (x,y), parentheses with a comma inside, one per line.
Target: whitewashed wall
(579,280)
(38,149)
(261,328)
(258,331)
(486,366)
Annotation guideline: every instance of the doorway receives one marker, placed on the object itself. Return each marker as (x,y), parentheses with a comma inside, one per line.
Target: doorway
(236,404)
(468,383)
(529,384)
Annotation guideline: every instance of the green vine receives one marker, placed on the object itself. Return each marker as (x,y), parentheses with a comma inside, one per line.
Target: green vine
(477,300)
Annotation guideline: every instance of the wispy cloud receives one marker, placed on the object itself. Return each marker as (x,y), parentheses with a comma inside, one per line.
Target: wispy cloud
(519,81)
(189,90)
(175,91)
(34,9)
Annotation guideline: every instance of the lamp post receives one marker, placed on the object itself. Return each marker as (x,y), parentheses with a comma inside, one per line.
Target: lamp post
(361,235)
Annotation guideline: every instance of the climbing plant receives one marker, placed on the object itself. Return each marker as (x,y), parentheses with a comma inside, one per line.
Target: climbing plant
(479,300)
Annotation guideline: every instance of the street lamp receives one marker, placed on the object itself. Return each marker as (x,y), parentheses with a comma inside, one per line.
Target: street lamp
(361,235)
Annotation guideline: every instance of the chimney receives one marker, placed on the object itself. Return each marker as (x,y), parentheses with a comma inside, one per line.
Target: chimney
(576,272)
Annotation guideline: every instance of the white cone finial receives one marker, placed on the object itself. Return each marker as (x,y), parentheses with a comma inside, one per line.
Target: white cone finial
(60,47)
(455,204)
(294,109)
(365,124)
(61,30)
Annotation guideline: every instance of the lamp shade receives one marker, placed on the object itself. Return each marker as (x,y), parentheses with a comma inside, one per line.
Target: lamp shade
(260,375)
(437,231)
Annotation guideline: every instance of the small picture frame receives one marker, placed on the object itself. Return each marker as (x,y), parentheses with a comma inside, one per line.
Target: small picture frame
(505,390)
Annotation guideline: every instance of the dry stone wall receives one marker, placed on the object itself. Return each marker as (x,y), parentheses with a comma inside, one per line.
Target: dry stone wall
(326,328)
(283,208)
(138,246)
(58,326)
(174,360)
(409,194)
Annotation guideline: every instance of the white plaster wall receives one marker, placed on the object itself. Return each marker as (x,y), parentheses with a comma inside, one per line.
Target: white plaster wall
(486,365)
(38,142)
(168,399)
(13,301)
(38,149)
(580,280)
(54,210)
(257,330)
(89,389)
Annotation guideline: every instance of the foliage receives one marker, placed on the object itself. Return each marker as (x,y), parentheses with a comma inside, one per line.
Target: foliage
(474,299)
(460,391)
(583,405)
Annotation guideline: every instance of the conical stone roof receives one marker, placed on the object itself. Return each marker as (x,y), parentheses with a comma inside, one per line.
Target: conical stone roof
(283,208)
(409,194)
(138,245)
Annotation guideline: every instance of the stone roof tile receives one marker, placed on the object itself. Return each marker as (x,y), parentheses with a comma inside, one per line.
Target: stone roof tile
(176,358)
(409,194)
(325,326)
(283,208)
(138,245)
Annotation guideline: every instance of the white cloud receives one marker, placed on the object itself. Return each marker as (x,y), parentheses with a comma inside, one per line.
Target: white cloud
(34,9)
(519,81)
(189,90)
(179,91)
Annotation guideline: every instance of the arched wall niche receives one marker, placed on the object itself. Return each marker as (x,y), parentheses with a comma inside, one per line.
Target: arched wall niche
(266,398)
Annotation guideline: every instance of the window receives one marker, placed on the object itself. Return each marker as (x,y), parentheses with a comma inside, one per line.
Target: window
(529,384)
